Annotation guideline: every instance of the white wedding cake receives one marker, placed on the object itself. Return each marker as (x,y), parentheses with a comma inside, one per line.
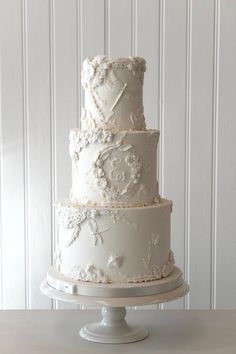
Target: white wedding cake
(114,228)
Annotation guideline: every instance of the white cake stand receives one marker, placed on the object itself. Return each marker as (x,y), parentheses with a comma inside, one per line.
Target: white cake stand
(113,327)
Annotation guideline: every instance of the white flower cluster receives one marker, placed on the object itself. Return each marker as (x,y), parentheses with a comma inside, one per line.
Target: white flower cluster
(137,66)
(114,261)
(102,177)
(89,273)
(155,238)
(94,71)
(70,217)
(87,121)
(168,267)
(79,139)
(132,161)
(102,182)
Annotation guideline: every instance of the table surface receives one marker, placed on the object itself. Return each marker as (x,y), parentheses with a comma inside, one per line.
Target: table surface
(170,331)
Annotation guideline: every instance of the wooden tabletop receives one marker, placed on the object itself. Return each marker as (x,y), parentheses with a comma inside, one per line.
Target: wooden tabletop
(170,331)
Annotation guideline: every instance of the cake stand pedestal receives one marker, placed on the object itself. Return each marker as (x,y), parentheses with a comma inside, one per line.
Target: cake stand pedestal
(113,327)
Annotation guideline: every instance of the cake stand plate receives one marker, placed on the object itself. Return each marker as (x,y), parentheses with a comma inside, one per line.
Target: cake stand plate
(113,327)
(115,290)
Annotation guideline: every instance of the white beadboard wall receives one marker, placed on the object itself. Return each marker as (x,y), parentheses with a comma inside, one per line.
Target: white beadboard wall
(190,89)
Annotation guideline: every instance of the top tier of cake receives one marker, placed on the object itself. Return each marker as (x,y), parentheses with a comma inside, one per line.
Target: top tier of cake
(113,93)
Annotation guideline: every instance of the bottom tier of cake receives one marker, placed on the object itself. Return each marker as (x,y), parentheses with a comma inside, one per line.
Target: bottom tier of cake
(114,245)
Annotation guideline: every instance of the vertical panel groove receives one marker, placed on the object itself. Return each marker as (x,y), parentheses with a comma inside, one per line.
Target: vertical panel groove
(78,60)
(105,27)
(187,144)
(215,152)
(108,17)
(134,27)
(25,139)
(108,29)
(52,126)
(161,94)
(1,234)
(80,16)
(161,99)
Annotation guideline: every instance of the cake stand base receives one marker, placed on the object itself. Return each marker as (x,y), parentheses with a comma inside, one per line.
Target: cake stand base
(113,328)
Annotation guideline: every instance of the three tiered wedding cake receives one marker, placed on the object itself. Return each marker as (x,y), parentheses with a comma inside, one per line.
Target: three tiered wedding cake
(114,228)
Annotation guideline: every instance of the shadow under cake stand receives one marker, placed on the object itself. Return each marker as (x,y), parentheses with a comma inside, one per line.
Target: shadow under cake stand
(113,298)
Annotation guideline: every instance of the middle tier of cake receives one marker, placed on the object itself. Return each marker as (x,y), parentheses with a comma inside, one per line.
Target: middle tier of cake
(114,168)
